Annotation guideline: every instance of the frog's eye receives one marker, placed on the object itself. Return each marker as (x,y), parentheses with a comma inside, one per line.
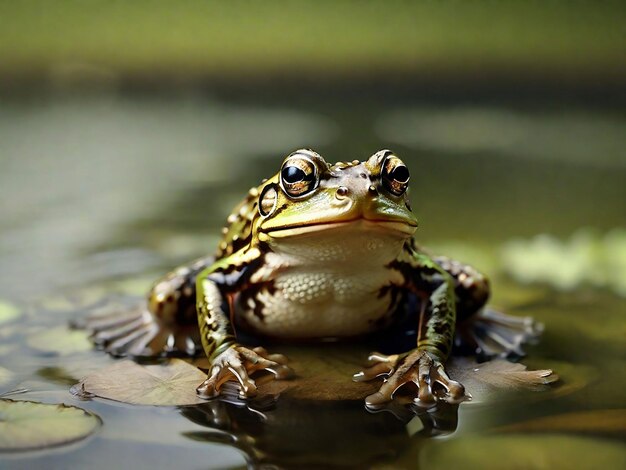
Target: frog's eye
(395,175)
(298,175)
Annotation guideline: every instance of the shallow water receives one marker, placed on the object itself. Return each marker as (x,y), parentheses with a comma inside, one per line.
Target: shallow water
(102,193)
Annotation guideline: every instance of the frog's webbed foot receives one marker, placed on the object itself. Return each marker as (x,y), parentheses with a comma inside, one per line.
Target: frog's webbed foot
(239,363)
(135,332)
(415,368)
(493,334)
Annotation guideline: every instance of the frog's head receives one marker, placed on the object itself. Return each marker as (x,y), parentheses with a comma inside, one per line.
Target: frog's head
(311,197)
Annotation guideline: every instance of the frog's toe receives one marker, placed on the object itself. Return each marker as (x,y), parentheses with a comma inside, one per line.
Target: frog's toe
(133,342)
(379,365)
(223,373)
(260,359)
(419,370)
(137,333)
(239,363)
(435,385)
(494,334)
(279,358)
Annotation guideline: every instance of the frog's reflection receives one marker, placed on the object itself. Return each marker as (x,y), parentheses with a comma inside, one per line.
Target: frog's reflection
(295,433)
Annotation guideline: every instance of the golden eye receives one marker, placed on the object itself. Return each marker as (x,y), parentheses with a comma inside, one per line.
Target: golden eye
(298,175)
(395,175)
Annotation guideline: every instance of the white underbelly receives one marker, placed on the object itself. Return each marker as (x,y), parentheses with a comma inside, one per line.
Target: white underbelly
(318,304)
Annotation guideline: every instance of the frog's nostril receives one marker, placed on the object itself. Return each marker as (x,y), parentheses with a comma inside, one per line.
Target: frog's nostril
(342,192)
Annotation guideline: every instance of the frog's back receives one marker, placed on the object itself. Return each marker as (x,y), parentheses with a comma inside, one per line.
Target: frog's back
(237,233)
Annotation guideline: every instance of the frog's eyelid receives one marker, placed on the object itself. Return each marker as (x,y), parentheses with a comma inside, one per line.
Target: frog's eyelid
(309,155)
(394,186)
(376,162)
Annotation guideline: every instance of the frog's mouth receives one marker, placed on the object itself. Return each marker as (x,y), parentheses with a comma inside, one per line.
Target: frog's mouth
(401,229)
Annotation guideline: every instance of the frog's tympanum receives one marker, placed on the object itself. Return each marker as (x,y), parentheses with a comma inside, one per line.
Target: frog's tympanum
(320,251)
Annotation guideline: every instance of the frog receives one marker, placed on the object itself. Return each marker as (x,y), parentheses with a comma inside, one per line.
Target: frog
(320,252)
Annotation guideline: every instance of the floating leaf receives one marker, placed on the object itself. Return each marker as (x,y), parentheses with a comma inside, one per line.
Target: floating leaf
(8,312)
(482,380)
(323,372)
(71,301)
(170,384)
(26,425)
(60,340)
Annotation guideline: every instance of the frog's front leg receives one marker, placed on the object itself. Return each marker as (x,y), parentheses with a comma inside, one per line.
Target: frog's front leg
(418,367)
(229,360)
(423,366)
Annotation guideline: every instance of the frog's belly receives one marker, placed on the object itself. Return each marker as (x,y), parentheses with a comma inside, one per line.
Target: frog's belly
(316,305)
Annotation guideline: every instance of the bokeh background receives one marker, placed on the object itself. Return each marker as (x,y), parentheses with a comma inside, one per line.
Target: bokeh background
(128,130)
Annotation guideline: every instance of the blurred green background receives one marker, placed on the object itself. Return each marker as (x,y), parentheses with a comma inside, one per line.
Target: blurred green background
(128,131)
(152,41)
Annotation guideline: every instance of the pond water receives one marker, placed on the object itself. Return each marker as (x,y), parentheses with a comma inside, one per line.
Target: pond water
(101,193)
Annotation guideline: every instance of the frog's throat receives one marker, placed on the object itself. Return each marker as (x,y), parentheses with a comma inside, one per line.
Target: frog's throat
(399,228)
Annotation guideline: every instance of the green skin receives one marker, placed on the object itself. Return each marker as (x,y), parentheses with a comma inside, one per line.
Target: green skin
(315,251)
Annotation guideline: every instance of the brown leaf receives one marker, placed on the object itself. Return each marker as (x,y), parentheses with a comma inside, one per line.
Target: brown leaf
(483,379)
(170,384)
(323,372)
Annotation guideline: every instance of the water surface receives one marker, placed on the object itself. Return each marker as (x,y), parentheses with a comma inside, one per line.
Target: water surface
(102,193)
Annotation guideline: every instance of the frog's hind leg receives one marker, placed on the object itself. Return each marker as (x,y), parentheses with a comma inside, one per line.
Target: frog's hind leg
(480,330)
(164,325)
(138,333)
(490,334)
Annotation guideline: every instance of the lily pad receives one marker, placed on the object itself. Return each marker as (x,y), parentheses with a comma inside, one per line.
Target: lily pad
(72,301)
(8,312)
(170,384)
(60,340)
(27,425)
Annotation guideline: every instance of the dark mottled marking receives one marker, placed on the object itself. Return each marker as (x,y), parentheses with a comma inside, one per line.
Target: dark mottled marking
(253,292)
(427,279)
(179,291)
(469,299)
(440,328)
